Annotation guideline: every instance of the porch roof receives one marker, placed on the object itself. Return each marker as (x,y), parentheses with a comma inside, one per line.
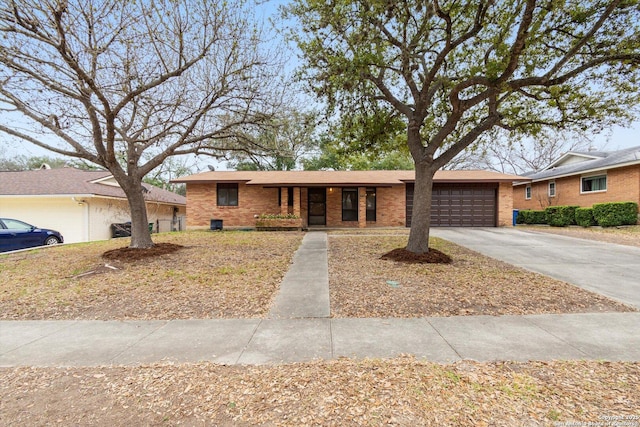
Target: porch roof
(342,178)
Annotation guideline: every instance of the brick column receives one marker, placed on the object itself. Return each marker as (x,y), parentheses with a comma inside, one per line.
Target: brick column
(505,204)
(296,201)
(362,207)
(284,200)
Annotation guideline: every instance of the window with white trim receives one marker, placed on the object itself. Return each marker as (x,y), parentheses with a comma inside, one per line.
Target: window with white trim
(552,189)
(590,184)
(527,192)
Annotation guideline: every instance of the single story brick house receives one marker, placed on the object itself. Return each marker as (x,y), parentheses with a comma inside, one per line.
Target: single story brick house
(580,178)
(81,204)
(347,198)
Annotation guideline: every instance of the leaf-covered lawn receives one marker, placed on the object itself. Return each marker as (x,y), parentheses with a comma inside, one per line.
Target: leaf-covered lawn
(216,274)
(398,392)
(237,274)
(363,285)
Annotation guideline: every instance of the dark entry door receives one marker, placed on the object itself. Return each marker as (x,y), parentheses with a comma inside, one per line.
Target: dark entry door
(317,206)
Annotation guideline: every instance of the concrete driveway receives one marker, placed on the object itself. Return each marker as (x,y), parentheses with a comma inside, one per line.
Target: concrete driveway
(605,268)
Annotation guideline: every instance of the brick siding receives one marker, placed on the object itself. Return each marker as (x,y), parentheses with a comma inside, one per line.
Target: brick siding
(252,200)
(623,185)
(255,200)
(505,205)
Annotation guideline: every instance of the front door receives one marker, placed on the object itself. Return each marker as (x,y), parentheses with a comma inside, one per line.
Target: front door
(317,206)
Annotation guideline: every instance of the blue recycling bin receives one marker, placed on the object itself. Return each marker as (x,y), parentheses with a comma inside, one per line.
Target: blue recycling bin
(515,216)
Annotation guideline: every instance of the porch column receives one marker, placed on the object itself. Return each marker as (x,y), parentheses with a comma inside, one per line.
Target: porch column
(296,201)
(284,200)
(362,207)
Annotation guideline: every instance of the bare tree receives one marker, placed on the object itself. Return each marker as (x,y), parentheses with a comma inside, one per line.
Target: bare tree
(526,155)
(126,84)
(280,146)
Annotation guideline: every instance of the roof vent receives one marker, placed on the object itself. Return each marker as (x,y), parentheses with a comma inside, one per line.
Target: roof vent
(45,166)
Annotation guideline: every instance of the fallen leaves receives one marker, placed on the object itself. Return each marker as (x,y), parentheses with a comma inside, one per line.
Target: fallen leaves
(212,275)
(362,285)
(402,391)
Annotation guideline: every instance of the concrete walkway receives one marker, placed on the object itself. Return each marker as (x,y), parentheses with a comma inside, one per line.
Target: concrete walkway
(298,329)
(304,291)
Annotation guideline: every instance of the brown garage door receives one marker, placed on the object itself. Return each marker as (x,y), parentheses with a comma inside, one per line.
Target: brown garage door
(459,205)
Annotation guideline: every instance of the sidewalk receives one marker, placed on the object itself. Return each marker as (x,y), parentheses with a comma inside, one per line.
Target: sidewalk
(608,336)
(299,329)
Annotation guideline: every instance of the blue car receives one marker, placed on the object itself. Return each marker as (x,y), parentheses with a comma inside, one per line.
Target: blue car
(16,234)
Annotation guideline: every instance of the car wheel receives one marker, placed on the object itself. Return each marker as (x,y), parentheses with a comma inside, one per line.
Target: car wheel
(51,240)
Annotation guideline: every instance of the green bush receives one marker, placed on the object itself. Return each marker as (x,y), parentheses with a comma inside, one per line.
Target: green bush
(561,216)
(615,214)
(532,217)
(584,217)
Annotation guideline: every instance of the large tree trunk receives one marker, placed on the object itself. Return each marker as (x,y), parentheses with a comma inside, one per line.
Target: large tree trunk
(421,218)
(140,235)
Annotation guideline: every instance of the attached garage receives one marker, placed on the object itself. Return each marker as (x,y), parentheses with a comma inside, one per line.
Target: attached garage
(459,205)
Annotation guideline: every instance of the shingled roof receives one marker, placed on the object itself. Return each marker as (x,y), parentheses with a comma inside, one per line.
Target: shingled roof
(581,162)
(75,182)
(342,178)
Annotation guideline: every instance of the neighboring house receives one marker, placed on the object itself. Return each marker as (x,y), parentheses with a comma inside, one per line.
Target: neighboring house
(80,204)
(582,179)
(347,198)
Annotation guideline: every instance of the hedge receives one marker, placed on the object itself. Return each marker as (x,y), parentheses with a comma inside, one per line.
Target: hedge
(584,217)
(603,214)
(561,216)
(531,217)
(615,214)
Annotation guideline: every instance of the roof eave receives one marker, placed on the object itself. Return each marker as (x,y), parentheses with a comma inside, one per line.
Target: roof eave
(587,171)
(205,181)
(570,154)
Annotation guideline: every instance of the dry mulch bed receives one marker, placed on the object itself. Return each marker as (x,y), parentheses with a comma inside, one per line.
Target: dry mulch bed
(133,254)
(399,392)
(434,256)
(362,285)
